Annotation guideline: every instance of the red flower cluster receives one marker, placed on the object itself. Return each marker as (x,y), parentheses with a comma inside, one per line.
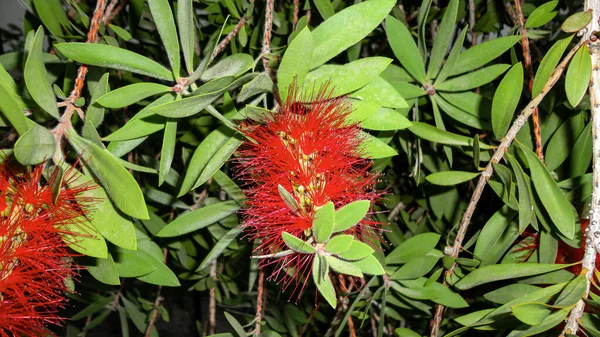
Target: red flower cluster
(35,262)
(314,152)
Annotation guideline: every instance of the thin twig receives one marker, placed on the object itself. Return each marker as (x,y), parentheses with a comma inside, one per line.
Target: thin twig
(535,116)
(592,242)
(156,302)
(111,6)
(259,300)
(310,317)
(228,38)
(212,304)
(111,13)
(266,45)
(65,121)
(472,22)
(296,11)
(454,250)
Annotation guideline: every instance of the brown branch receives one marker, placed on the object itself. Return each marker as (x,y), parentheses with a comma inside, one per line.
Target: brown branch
(212,303)
(266,45)
(228,38)
(65,121)
(535,116)
(156,302)
(259,300)
(454,250)
(296,11)
(111,11)
(472,22)
(310,317)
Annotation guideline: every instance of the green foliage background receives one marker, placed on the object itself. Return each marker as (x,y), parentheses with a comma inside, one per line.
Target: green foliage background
(435,98)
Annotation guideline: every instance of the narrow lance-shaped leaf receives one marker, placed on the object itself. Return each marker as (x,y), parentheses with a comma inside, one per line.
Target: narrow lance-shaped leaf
(131,94)
(102,55)
(10,104)
(506,99)
(578,75)
(165,24)
(168,150)
(199,218)
(482,54)
(116,180)
(442,39)
(346,28)
(577,21)
(323,284)
(187,32)
(295,63)
(450,178)
(404,48)
(297,244)
(553,199)
(548,64)
(499,272)
(36,77)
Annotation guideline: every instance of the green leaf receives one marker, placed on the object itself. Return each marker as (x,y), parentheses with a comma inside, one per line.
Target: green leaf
(433,134)
(542,15)
(323,284)
(355,75)
(115,227)
(442,39)
(580,159)
(120,186)
(104,270)
(339,244)
(474,79)
(202,155)
(295,63)
(11,104)
(325,8)
(369,265)
(297,244)
(358,251)
(218,160)
(85,239)
(381,92)
(350,215)
(531,313)
(451,178)
(36,77)
(415,268)
(35,146)
(510,292)
(550,322)
(161,275)
(415,247)
(102,55)
(578,75)
(481,54)
(499,272)
(95,112)
(554,201)
(448,67)
(187,32)
(131,94)
(131,263)
(233,65)
(142,124)
(200,218)
(506,99)
(165,24)
(577,21)
(496,237)
(237,327)
(323,222)
(122,33)
(168,151)
(405,332)
(227,185)
(386,119)
(404,47)
(343,267)
(561,144)
(346,28)
(374,148)
(573,292)
(288,198)
(53,16)
(466,117)
(199,101)
(219,247)
(548,64)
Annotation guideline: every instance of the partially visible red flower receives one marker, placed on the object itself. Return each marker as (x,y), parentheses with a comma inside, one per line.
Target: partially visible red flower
(35,262)
(315,153)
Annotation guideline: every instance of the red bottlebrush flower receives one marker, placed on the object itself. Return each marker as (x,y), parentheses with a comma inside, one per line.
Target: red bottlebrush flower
(35,262)
(314,153)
